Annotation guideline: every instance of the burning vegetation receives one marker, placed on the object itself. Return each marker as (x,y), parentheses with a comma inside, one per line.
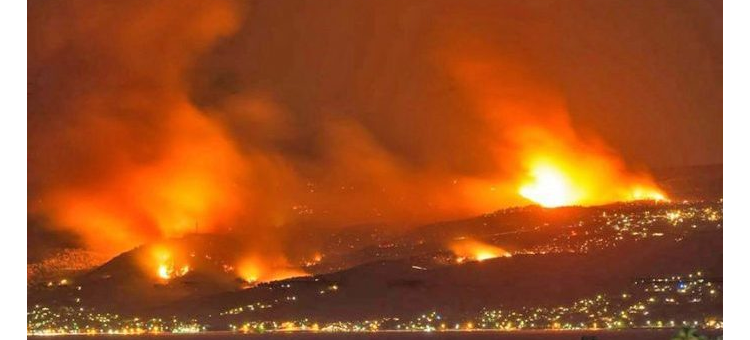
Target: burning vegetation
(255,269)
(165,262)
(472,250)
(552,184)
(135,148)
(217,149)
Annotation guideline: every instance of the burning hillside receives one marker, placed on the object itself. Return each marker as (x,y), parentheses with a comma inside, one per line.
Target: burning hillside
(130,145)
(337,165)
(472,250)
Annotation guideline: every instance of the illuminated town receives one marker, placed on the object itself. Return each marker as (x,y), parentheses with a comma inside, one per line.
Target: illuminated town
(691,299)
(664,302)
(510,169)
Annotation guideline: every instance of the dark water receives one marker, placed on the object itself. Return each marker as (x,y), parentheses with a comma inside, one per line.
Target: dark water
(477,335)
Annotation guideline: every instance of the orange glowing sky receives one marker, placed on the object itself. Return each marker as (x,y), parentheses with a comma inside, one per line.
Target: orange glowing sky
(153,120)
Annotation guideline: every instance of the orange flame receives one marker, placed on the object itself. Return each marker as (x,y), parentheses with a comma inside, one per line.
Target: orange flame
(475,250)
(553,183)
(550,187)
(255,269)
(164,264)
(553,163)
(152,164)
(139,159)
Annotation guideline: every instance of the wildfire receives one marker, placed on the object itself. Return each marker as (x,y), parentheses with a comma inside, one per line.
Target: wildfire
(166,268)
(167,271)
(648,194)
(550,161)
(596,180)
(316,258)
(549,187)
(134,155)
(255,269)
(475,250)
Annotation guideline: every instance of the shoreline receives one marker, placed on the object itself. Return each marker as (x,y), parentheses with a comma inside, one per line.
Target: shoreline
(387,331)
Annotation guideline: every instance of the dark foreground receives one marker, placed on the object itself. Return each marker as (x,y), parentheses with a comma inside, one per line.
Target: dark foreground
(476,335)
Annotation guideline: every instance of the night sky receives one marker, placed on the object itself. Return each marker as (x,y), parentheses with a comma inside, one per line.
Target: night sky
(643,75)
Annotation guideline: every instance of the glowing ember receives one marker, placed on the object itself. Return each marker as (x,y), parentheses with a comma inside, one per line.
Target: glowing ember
(316,258)
(474,250)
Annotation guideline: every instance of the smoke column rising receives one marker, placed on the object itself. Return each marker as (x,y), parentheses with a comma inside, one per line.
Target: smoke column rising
(151,120)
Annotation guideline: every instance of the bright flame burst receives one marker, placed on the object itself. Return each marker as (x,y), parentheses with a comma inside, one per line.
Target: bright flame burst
(255,269)
(475,250)
(167,271)
(166,268)
(555,184)
(550,187)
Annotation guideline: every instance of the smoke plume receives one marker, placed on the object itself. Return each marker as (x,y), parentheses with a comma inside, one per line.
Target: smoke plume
(156,119)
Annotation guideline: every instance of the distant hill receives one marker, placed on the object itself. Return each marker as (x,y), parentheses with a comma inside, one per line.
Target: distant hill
(560,255)
(693,182)
(396,288)
(351,246)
